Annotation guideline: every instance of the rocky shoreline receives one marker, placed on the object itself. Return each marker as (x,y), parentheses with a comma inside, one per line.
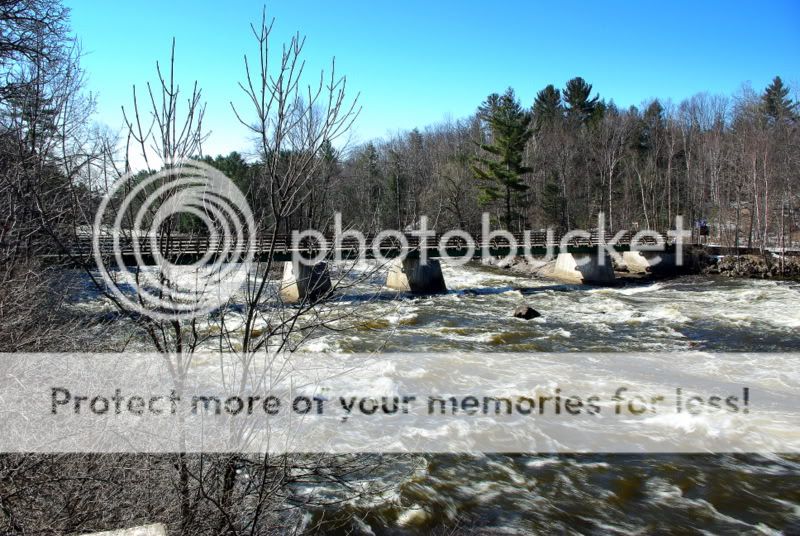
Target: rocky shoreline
(766,266)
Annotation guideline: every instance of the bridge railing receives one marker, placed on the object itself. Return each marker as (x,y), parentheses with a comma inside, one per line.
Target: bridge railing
(198,244)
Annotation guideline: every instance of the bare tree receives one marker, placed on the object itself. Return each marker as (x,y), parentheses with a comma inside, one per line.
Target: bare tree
(45,150)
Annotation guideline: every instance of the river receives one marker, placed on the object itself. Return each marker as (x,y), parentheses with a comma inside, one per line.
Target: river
(589,494)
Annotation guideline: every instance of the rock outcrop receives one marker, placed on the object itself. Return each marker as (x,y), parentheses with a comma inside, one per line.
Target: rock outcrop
(755,266)
(526,312)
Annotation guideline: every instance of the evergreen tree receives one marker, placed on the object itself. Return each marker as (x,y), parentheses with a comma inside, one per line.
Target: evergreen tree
(371,177)
(553,200)
(501,173)
(598,112)
(547,106)
(777,104)
(234,167)
(579,105)
(369,161)
(652,123)
(398,180)
(329,155)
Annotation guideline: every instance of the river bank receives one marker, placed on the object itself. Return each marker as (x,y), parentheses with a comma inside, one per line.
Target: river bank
(767,266)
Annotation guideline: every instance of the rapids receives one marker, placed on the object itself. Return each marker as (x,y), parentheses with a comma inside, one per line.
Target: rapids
(590,494)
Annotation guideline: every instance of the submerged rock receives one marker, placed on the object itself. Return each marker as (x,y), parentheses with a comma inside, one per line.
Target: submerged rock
(526,312)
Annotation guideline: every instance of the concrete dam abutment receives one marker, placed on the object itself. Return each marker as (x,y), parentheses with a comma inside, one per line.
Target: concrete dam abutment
(584,268)
(649,262)
(411,275)
(304,283)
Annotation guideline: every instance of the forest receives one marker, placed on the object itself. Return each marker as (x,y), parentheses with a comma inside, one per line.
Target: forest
(730,160)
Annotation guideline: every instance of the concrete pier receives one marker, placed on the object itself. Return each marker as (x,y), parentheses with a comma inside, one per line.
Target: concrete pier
(584,268)
(305,283)
(649,262)
(410,275)
(636,262)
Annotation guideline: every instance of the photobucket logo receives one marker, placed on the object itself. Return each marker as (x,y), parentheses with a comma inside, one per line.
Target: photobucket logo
(310,247)
(189,208)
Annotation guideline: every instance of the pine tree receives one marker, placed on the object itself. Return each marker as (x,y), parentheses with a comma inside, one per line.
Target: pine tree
(579,105)
(547,106)
(552,199)
(398,179)
(652,123)
(368,168)
(777,104)
(501,173)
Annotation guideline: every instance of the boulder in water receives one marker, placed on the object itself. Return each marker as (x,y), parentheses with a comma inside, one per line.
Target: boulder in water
(526,312)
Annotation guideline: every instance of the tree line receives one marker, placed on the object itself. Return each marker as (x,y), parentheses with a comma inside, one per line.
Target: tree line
(732,161)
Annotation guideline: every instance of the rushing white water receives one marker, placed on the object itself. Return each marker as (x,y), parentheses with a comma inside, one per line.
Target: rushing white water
(678,314)
(595,494)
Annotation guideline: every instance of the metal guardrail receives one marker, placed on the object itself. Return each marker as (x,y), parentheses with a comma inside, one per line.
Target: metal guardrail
(284,243)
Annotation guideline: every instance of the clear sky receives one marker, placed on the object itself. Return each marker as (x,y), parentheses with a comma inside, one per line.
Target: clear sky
(417,62)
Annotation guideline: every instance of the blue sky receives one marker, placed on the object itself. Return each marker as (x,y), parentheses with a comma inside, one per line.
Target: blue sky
(415,62)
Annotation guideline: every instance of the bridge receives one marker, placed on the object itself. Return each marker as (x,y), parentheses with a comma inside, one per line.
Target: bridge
(184,249)
(580,259)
